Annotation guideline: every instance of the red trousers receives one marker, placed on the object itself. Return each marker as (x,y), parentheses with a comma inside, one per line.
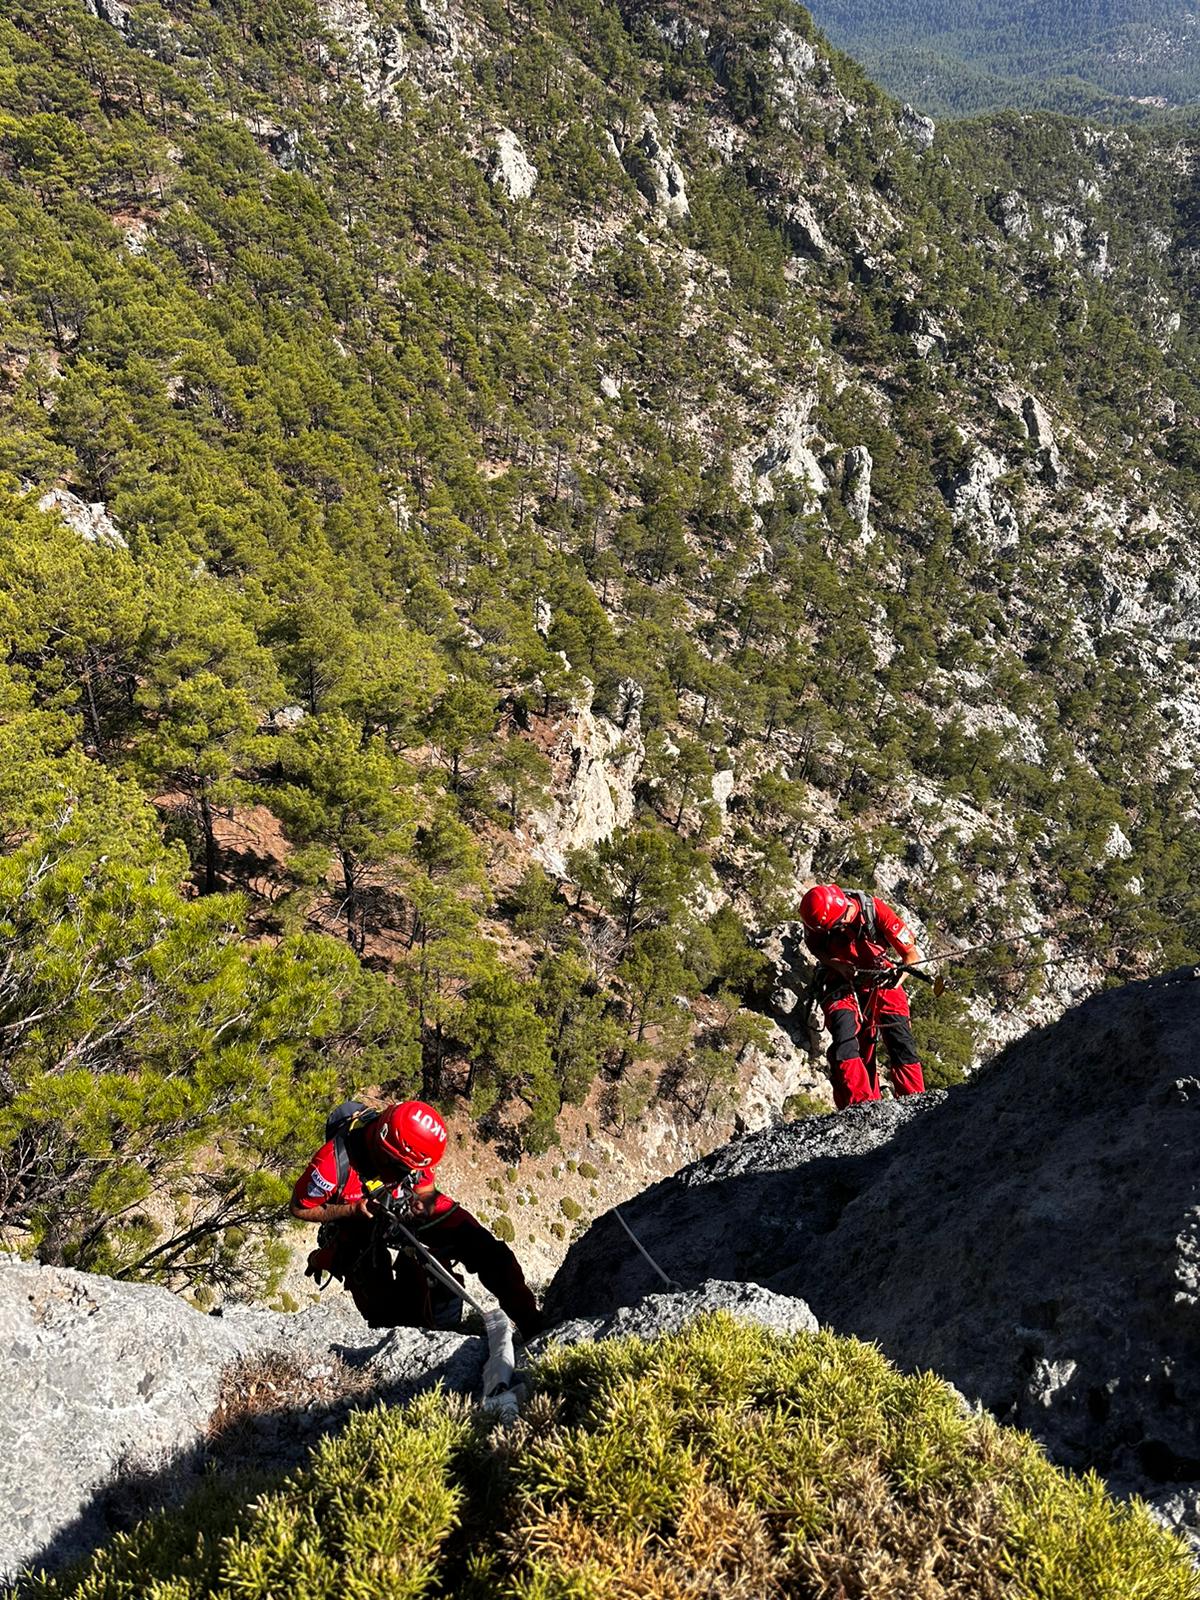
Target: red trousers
(857,1019)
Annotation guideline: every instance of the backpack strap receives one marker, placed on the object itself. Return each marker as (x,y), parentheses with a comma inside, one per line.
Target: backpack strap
(866,905)
(341,1153)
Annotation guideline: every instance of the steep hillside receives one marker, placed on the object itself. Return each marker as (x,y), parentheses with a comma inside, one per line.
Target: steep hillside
(1033,1236)
(488,514)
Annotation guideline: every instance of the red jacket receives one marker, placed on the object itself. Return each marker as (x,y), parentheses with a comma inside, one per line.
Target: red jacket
(317,1185)
(857,945)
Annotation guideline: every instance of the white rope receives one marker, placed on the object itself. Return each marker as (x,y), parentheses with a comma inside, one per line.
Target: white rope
(676,1288)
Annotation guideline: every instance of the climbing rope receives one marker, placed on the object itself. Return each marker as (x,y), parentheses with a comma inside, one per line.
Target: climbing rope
(675,1288)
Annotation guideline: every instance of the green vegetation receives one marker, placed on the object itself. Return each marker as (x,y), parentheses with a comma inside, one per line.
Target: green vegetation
(1102,60)
(723,1459)
(270,756)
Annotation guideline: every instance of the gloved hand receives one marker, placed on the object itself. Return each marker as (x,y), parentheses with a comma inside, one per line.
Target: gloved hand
(320,1261)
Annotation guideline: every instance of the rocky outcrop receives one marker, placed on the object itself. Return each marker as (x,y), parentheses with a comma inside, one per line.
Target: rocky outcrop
(596,763)
(672,1311)
(804,231)
(1041,433)
(377,52)
(977,504)
(652,164)
(918,130)
(1033,1237)
(111,1388)
(787,452)
(114,12)
(512,171)
(856,488)
(90,521)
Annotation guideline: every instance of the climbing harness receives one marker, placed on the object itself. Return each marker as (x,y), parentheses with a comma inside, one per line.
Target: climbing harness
(675,1288)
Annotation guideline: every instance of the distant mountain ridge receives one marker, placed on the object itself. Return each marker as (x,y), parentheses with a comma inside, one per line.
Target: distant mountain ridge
(1116,59)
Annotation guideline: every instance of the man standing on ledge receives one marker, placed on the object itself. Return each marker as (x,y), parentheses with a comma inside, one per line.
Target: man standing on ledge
(856,940)
(372,1153)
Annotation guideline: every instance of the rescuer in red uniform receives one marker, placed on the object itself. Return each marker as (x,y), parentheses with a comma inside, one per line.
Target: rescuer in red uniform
(395,1151)
(853,935)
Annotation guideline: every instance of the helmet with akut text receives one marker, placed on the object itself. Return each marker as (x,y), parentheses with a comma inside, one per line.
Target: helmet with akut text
(411,1134)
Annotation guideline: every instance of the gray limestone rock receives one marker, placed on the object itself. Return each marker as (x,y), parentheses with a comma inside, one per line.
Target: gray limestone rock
(1041,432)
(114,12)
(653,166)
(670,1311)
(117,1384)
(90,521)
(856,487)
(511,168)
(1033,1236)
(920,131)
(805,231)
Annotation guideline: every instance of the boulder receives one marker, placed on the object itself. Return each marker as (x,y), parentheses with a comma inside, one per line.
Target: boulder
(1033,1236)
(117,1383)
(670,1312)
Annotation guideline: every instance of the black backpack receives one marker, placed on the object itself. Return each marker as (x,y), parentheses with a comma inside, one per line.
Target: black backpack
(343,1120)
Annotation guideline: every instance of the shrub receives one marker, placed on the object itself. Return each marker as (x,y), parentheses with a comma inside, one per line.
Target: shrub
(503,1229)
(587,1170)
(571,1209)
(725,1459)
(804,1105)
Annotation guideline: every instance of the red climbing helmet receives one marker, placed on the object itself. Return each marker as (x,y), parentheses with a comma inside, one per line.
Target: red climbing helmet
(411,1134)
(823,907)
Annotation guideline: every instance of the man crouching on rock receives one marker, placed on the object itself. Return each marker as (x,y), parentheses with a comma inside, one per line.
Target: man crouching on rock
(372,1154)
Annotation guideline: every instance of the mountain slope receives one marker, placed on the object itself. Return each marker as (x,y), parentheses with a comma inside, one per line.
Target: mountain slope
(529,505)
(1114,59)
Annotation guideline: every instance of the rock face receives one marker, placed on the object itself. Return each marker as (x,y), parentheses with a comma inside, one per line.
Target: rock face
(512,169)
(1041,432)
(856,487)
(377,52)
(805,231)
(116,1384)
(90,521)
(787,452)
(1034,1237)
(978,504)
(918,130)
(599,762)
(657,172)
